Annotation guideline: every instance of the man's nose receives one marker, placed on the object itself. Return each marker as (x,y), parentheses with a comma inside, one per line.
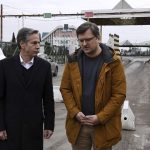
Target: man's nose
(84,42)
(38,45)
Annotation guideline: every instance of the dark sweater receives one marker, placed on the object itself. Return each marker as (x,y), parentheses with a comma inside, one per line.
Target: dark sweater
(90,71)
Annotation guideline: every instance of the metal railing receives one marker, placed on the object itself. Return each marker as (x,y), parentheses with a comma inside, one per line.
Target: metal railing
(57,54)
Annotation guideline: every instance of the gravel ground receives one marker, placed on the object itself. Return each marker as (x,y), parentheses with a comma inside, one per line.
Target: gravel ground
(137,71)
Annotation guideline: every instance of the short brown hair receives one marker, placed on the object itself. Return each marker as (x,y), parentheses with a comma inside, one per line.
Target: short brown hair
(88,25)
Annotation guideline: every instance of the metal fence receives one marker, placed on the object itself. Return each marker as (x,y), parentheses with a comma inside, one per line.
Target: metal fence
(57,54)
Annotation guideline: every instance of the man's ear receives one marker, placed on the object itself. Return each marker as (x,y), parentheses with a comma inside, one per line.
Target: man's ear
(99,40)
(22,45)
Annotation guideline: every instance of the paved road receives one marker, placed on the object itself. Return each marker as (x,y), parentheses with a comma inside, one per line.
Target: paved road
(138,94)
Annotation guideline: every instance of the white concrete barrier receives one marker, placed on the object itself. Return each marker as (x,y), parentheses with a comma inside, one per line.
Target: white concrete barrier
(127,117)
(57,94)
(1,54)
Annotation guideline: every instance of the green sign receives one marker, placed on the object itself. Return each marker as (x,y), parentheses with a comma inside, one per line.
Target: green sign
(47,15)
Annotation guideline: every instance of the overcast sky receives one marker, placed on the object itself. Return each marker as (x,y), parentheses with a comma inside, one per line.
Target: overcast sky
(10,25)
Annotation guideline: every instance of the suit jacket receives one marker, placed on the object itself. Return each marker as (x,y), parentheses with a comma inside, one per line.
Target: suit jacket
(24,107)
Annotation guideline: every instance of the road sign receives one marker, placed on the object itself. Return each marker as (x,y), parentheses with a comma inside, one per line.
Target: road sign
(88,14)
(47,15)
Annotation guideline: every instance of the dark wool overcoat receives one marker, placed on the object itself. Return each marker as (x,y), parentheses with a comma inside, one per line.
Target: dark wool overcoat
(25,104)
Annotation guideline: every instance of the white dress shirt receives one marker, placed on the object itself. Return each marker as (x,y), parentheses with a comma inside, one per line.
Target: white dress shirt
(28,64)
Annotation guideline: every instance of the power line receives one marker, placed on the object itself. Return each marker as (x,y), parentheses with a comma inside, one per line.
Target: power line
(38,15)
(50,20)
(42,15)
(15,8)
(33,15)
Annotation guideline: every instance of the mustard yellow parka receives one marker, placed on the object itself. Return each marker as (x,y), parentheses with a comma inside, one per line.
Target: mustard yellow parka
(110,94)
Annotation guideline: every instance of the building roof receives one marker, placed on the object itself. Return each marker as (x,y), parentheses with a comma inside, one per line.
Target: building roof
(47,35)
(126,42)
(121,14)
(122,5)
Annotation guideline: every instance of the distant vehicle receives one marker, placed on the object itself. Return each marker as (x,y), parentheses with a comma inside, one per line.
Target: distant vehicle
(1,54)
(54,65)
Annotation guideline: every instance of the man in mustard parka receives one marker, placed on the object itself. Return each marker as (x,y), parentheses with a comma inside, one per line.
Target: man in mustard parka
(93,87)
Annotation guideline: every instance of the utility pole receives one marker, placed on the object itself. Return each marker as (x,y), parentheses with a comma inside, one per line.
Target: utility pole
(1,24)
(22,21)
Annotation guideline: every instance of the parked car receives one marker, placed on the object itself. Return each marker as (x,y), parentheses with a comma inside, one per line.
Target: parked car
(54,65)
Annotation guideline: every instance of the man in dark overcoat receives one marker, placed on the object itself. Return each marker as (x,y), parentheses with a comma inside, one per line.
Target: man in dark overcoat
(26,96)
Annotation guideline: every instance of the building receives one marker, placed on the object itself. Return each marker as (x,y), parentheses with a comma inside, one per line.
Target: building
(62,36)
(121,14)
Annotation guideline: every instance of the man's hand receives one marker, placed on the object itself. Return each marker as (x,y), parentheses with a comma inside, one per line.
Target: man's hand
(80,117)
(47,134)
(91,120)
(3,135)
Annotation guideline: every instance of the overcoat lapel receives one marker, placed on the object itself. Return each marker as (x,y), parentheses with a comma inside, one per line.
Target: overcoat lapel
(34,73)
(18,69)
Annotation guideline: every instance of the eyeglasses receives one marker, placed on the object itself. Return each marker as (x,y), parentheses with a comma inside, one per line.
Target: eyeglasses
(86,40)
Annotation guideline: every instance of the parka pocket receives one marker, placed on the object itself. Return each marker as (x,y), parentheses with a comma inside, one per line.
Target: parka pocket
(113,128)
(72,129)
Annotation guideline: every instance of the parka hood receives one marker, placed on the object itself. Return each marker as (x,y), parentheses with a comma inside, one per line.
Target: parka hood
(107,52)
